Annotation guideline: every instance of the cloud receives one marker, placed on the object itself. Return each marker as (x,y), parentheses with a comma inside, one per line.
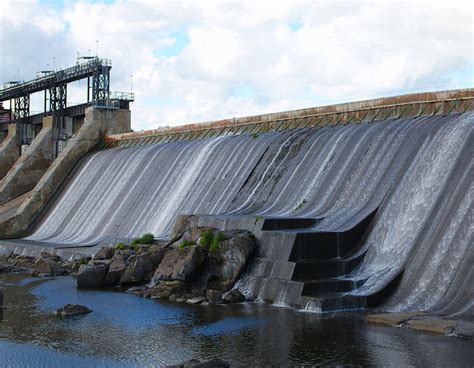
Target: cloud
(198,61)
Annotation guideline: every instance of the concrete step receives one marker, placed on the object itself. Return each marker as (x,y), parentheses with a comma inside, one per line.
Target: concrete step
(329,286)
(323,246)
(309,269)
(279,223)
(335,302)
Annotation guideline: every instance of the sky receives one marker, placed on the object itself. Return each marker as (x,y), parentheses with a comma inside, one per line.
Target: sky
(201,61)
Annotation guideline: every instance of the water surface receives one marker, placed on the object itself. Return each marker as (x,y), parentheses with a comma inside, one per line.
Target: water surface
(125,330)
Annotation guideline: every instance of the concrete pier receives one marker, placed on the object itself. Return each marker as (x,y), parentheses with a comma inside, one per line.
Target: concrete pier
(97,123)
(9,150)
(30,167)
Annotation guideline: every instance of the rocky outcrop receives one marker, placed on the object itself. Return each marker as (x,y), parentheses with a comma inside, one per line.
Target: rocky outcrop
(91,275)
(45,264)
(227,263)
(116,269)
(1,298)
(180,264)
(233,296)
(140,268)
(70,310)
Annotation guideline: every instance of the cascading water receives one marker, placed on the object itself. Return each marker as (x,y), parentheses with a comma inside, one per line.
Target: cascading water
(418,173)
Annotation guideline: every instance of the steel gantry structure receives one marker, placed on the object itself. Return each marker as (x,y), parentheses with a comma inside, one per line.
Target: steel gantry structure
(54,84)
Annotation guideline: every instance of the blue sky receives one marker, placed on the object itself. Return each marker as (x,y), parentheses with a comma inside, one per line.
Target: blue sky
(200,61)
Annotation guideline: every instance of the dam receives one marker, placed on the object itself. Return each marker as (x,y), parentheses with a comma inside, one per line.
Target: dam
(354,206)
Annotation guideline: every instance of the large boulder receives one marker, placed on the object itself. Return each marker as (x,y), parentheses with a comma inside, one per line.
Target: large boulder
(91,275)
(229,260)
(157,253)
(181,264)
(116,269)
(48,263)
(72,310)
(233,296)
(213,296)
(104,253)
(138,270)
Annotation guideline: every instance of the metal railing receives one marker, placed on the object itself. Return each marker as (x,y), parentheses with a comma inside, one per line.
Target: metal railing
(355,116)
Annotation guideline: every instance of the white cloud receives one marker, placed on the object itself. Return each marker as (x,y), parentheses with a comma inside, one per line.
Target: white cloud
(340,51)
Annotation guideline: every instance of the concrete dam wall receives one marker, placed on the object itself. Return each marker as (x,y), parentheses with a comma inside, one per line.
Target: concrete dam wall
(383,210)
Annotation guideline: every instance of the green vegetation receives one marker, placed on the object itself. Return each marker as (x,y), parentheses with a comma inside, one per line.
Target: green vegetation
(120,246)
(185,243)
(84,260)
(300,205)
(206,238)
(135,247)
(254,135)
(215,242)
(147,238)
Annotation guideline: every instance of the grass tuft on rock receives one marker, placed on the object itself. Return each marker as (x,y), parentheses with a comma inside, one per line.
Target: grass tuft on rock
(120,246)
(84,260)
(206,238)
(216,241)
(185,243)
(147,238)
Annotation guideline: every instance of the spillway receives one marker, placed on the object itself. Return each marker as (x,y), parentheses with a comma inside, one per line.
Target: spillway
(414,175)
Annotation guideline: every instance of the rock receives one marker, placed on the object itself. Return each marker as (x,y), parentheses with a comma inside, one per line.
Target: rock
(196,300)
(157,254)
(214,363)
(194,363)
(227,263)
(181,264)
(391,319)
(53,257)
(432,324)
(233,296)
(72,310)
(104,253)
(116,269)
(180,226)
(70,265)
(463,328)
(91,275)
(1,298)
(48,266)
(125,253)
(138,270)
(213,296)
(167,288)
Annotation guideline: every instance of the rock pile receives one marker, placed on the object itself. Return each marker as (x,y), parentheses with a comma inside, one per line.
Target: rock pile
(199,266)
(45,264)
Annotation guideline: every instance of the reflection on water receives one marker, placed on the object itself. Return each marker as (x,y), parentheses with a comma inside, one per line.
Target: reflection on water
(132,331)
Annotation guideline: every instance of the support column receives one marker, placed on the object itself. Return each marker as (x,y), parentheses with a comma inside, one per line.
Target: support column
(9,150)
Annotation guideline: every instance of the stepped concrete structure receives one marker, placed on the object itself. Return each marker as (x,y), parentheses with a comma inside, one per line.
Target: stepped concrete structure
(356,205)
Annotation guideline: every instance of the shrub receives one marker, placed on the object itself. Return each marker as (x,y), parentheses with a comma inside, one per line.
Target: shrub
(84,260)
(136,241)
(206,238)
(120,246)
(135,247)
(215,241)
(185,243)
(147,238)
